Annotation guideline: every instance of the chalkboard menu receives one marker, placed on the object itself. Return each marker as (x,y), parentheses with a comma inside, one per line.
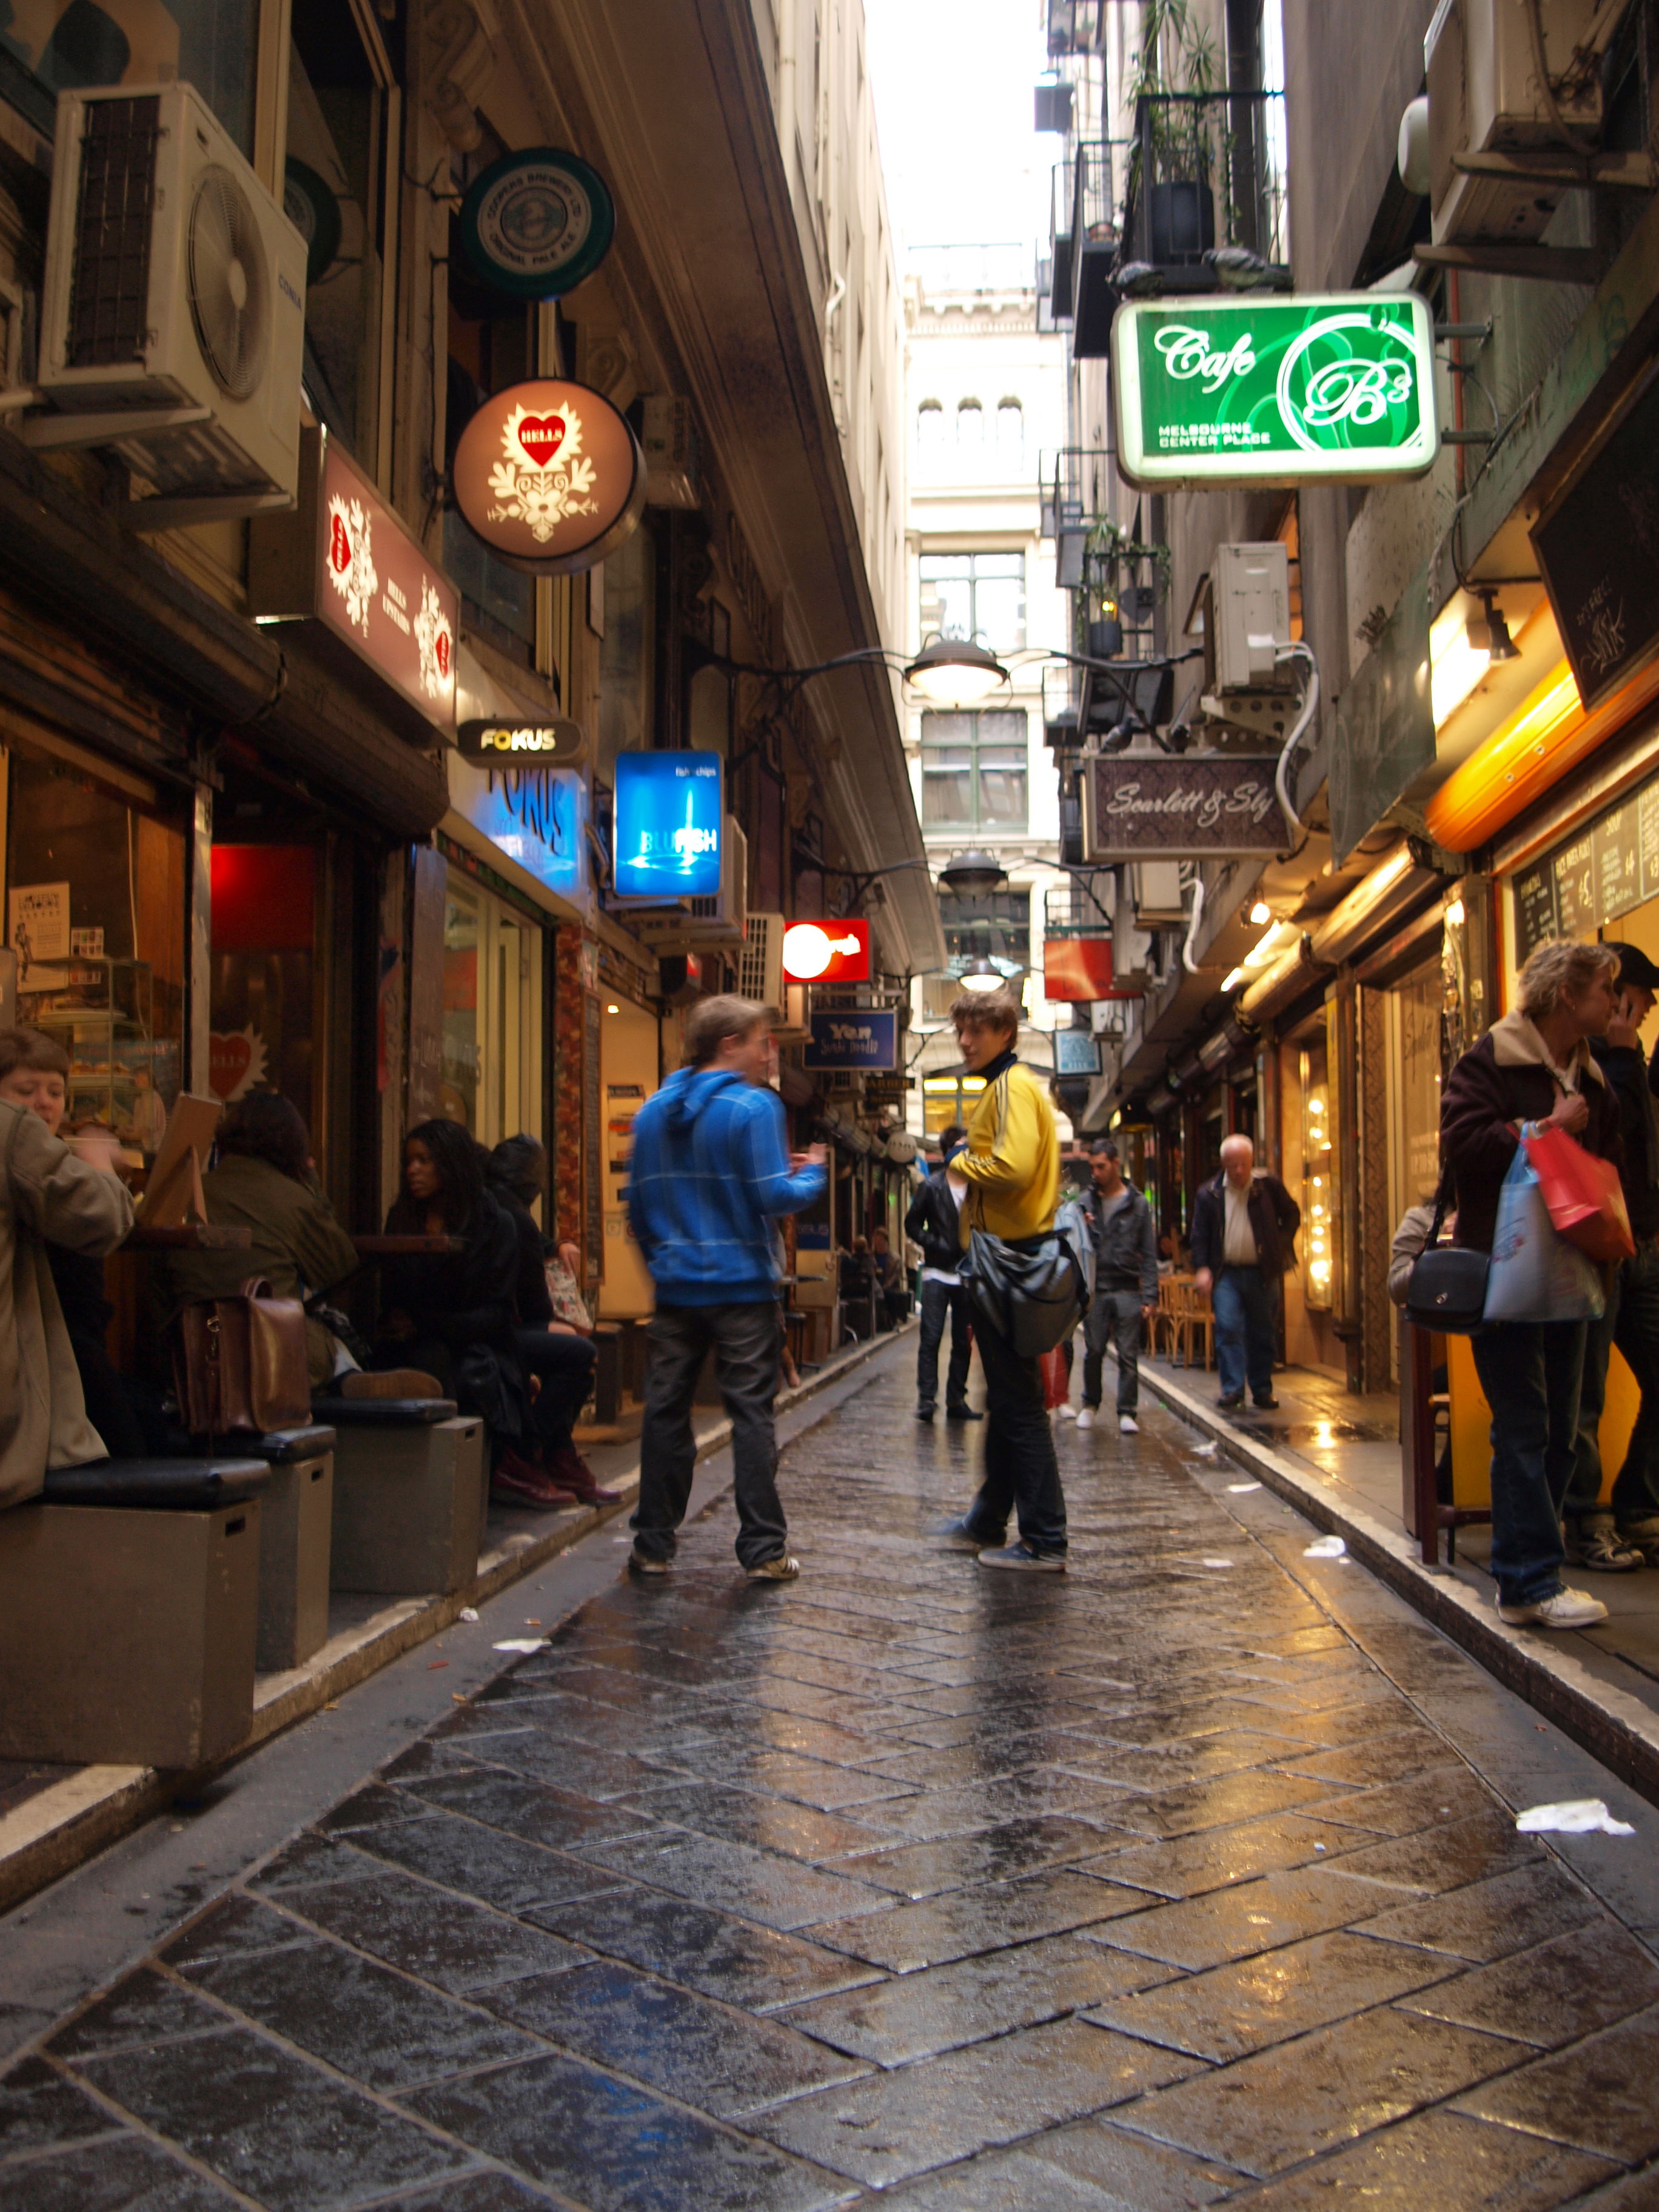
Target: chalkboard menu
(1598,547)
(1595,877)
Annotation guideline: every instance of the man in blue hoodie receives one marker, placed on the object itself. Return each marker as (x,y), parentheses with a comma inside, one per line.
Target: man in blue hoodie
(709,1176)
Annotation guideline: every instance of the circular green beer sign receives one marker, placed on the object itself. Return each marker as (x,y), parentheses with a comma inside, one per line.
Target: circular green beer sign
(537,222)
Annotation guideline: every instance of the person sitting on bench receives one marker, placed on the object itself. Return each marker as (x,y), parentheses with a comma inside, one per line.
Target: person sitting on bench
(453,1313)
(264,1180)
(47,1196)
(34,1072)
(559,1355)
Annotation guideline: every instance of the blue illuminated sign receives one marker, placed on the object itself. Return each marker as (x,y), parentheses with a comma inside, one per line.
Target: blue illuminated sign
(534,814)
(851,1038)
(668,815)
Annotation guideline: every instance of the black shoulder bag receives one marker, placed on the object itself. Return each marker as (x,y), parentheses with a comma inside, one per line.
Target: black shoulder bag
(1447,1289)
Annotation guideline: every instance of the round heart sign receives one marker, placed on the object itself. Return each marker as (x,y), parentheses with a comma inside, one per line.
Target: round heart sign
(550,476)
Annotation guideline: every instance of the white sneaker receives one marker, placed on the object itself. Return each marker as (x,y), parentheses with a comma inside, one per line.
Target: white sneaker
(1127,1426)
(1085,1419)
(1067,1413)
(1567,1608)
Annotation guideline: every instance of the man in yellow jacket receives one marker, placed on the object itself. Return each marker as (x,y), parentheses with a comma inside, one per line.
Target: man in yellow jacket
(1011,1165)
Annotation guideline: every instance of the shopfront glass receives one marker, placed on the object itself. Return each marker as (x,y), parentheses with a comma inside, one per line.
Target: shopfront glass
(491,1072)
(264,1015)
(96,914)
(65,46)
(1317,1179)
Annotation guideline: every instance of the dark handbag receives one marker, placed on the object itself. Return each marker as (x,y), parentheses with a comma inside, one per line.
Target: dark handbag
(1031,1290)
(242,1363)
(1447,1288)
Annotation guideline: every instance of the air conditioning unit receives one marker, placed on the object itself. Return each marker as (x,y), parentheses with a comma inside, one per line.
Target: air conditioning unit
(760,977)
(1159,898)
(693,921)
(173,310)
(1486,100)
(1250,587)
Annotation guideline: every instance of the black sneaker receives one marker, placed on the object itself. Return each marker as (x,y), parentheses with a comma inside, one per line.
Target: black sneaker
(1233,1398)
(958,1535)
(925,1412)
(961,1413)
(1266,1405)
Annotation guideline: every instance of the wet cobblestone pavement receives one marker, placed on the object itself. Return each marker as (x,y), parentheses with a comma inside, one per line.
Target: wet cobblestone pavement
(1149,1887)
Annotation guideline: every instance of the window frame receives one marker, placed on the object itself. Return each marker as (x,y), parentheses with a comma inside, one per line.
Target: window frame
(975,743)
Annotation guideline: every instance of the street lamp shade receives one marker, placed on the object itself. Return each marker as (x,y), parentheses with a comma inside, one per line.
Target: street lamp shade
(982,975)
(975,875)
(954,672)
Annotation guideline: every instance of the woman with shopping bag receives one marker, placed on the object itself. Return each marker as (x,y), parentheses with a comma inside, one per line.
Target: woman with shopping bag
(1533,1073)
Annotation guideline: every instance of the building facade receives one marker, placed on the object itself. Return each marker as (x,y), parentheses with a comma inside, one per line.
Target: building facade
(985,397)
(240,843)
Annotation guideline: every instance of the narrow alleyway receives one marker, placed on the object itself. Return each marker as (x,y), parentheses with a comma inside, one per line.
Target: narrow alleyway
(1193,1875)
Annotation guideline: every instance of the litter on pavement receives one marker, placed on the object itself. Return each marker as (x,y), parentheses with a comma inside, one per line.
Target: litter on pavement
(1238,1487)
(1325,1547)
(521,1643)
(1575,1816)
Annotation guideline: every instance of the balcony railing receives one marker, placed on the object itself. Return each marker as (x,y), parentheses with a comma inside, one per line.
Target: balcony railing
(1197,192)
(1082,907)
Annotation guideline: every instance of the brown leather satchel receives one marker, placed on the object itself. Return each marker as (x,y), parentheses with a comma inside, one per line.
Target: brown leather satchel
(240,1363)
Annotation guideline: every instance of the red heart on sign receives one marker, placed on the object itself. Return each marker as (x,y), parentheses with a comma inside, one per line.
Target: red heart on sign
(541,436)
(228,1063)
(443,660)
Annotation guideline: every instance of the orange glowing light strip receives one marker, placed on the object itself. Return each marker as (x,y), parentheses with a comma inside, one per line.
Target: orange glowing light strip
(1548,733)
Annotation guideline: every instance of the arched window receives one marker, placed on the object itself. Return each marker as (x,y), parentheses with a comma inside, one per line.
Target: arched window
(930,425)
(1011,429)
(970,423)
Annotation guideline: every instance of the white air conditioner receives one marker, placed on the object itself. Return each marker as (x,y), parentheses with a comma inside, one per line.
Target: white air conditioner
(173,311)
(761,977)
(1487,102)
(1159,899)
(1251,601)
(716,921)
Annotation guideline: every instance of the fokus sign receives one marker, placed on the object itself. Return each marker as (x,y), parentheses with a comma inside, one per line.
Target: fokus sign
(1338,387)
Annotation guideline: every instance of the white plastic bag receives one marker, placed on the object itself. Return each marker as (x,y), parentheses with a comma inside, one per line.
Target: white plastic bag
(1535,1275)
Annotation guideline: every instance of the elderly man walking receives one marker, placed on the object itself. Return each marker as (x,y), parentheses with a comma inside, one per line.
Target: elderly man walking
(1243,1220)
(709,1176)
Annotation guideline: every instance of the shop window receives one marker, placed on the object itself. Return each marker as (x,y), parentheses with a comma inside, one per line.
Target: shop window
(263,949)
(334,192)
(491,1025)
(1317,1185)
(66,45)
(974,771)
(492,343)
(96,914)
(948,1098)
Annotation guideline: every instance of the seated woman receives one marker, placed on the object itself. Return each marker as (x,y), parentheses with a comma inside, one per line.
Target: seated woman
(34,1074)
(889,1279)
(264,1180)
(558,1354)
(454,1313)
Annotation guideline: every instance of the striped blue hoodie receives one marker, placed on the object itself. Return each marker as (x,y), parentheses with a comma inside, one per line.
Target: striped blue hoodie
(709,1171)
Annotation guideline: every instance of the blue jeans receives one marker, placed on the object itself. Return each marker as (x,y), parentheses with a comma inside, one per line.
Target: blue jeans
(1530,1372)
(1631,1322)
(1246,1326)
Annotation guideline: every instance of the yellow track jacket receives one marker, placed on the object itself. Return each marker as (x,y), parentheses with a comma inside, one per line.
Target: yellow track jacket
(1012,1161)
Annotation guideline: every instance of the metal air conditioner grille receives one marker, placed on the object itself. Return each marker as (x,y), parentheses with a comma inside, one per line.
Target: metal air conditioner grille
(753,956)
(109,297)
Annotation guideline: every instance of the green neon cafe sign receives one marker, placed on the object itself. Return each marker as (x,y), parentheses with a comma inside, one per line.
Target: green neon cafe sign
(1338,387)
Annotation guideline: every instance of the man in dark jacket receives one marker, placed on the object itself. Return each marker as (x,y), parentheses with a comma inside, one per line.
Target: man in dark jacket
(933,1222)
(1243,1225)
(1533,1066)
(1126,1285)
(1623,1533)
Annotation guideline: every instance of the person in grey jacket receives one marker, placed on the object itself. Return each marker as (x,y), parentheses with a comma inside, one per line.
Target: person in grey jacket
(1126,1285)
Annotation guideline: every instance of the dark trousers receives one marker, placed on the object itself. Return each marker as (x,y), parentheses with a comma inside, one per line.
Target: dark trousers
(1246,1305)
(939,1300)
(1114,1317)
(1020,1468)
(745,1341)
(1631,1322)
(1530,1372)
(565,1366)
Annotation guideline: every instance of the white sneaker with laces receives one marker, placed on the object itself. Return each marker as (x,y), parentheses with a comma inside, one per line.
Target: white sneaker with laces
(1085,1419)
(1127,1426)
(1067,1413)
(1567,1608)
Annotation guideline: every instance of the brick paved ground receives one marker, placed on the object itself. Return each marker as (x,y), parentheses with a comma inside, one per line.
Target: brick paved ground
(1144,1887)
